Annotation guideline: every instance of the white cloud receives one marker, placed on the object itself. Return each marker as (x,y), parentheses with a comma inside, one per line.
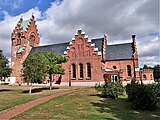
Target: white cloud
(7,26)
(118,19)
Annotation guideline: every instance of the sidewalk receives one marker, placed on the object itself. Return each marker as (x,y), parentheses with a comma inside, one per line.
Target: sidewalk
(21,108)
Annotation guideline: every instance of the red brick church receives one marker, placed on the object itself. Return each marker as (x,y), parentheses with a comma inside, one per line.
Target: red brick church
(90,61)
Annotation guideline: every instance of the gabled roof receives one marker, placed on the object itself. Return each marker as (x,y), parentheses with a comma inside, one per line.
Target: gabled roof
(24,24)
(119,51)
(98,43)
(56,48)
(113,52)
(61,47)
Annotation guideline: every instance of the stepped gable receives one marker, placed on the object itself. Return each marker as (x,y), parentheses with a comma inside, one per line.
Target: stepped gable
(62,47)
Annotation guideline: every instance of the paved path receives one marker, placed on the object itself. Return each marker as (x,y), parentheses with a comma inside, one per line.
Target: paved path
(21,108)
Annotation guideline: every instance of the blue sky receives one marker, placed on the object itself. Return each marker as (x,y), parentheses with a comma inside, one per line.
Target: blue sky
(58,20)
(22,6)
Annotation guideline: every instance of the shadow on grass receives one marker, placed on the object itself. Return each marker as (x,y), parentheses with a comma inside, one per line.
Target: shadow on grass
(120,109)
(4,90)
(99,95)
(35,90)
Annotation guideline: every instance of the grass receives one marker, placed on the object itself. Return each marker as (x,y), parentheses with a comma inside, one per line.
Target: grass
(87,105)
(11,96)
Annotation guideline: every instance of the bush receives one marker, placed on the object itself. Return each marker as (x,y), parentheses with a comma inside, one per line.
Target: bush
(4,83)
(143,97)
(110,89)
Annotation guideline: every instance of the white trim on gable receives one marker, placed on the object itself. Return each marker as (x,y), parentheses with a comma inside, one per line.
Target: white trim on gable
(92,45)
(95,49)
(86,36)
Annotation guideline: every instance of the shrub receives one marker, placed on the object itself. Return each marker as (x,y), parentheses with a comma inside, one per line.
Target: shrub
(143,97)
(110,89)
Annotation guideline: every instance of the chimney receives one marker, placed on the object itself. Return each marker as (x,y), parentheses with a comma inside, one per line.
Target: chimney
(133,37)
(134,43)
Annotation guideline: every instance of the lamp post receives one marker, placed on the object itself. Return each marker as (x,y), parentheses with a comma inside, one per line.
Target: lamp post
(69,76)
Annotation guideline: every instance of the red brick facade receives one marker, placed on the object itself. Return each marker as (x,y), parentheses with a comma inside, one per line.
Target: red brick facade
(146,74)
(86,63)
(24,37)
(80,53)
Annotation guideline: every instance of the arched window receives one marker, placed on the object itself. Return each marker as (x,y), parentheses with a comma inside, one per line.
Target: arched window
(151,76)
(129,70)
(32,39)
(81,71)
(19,39)
(73,71)
(88,71)
(144,77)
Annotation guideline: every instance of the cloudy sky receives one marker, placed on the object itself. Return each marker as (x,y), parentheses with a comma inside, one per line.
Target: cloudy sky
(58,20)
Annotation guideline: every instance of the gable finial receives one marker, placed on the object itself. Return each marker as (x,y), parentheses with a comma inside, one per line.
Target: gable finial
(21,18)
(32,15)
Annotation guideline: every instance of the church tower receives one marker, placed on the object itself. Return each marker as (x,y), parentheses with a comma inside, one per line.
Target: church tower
(24,37)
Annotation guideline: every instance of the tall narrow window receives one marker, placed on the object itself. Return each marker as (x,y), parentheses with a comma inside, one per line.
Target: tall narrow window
(19,39)
(88,71)
(81,70)
(144,77)
(151,76)
(73,71)
(129,70)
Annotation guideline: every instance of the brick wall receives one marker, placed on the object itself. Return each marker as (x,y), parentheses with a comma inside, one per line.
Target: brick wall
(21,46)
(121,64)
(81,51)
(147,74)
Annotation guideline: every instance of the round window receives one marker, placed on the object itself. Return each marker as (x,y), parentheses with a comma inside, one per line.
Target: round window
(114,67)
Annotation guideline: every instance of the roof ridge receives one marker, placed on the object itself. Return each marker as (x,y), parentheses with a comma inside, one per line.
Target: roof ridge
(61,43)
(52,44)
(119,44)
(96,38)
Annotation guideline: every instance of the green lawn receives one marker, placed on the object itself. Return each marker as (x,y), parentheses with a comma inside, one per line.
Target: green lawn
(87,105)
(11,96)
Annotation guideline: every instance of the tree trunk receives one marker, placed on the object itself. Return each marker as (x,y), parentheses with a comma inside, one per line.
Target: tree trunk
(30,89)
(50,77)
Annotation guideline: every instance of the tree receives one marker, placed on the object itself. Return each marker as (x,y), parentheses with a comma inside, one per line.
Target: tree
(145,67)
(34,69)
(53,62)
(4,67)
(156,72)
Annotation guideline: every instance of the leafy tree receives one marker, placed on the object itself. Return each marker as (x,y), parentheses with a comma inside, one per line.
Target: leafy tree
(156,72)
(4,67)
(53,62)
(34,69)
(145,67)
